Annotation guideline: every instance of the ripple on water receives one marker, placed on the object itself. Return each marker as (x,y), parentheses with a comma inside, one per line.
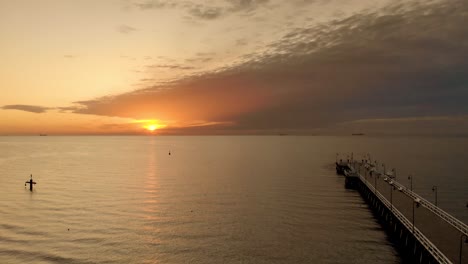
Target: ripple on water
(215,200)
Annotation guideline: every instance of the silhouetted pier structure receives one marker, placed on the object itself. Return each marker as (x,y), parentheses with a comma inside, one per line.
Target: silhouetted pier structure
(423,232)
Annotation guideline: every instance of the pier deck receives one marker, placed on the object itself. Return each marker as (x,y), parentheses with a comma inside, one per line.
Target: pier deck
(426,232)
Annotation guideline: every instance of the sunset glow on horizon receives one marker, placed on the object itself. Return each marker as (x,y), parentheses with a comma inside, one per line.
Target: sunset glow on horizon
(152,125)
(233,67)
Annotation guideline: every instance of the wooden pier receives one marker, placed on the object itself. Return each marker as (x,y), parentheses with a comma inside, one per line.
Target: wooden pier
(424,232)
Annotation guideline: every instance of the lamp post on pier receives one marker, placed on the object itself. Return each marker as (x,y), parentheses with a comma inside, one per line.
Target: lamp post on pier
(461,246)
(391,194)
(375,182)
(366,171)
(434,189)
(411,182)
(415,202)
(375,173)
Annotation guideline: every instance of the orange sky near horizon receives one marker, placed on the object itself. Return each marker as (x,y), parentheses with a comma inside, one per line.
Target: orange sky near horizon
(232,67)
(56,52)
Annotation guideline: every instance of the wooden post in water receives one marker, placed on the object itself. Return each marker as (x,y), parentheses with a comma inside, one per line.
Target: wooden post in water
(30,182)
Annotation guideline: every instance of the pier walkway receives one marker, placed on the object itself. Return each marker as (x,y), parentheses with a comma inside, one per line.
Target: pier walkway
(426,233)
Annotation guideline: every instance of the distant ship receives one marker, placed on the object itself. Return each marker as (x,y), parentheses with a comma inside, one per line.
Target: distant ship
(42,135)
(357,134)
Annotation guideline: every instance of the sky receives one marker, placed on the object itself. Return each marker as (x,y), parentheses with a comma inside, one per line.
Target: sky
(186,67)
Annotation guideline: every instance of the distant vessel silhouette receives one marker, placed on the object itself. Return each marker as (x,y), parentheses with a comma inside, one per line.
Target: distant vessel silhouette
(358,134)
(42,135)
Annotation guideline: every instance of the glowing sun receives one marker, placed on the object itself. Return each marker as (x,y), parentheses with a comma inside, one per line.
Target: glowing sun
(152,125)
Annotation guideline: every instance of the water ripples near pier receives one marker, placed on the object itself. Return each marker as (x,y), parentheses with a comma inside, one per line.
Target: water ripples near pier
(214,200)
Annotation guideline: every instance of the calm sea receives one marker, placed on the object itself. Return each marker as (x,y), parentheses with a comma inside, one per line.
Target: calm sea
(221,199)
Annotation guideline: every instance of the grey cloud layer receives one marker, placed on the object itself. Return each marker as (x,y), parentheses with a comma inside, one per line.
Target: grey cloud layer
(207,10)
(404,60)
(441,125)
(27,108)
(171,66)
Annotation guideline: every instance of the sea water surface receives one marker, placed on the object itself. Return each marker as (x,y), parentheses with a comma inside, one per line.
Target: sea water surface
(215,199)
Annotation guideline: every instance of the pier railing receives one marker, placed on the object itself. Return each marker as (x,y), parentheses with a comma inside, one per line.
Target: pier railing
(457,224)
(439,233)
(462,227)
(425,242)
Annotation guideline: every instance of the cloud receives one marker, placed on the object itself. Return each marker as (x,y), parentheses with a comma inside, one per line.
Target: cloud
(27,108)
(205,11)
(202,57)
(243,5)
(67,109)
(153,4)
(425,125)
(171,67)
(125,29)
(198,128)
(241,42)
(407,59)
(147,80)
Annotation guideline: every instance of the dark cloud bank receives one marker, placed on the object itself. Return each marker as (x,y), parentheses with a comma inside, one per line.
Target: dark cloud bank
(27,108)
(405,60)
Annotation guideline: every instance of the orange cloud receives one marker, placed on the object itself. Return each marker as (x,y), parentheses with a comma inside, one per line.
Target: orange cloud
(401,61)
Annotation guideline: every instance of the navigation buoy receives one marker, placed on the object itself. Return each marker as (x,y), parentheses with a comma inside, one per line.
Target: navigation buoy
(30,182)
(169,152)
